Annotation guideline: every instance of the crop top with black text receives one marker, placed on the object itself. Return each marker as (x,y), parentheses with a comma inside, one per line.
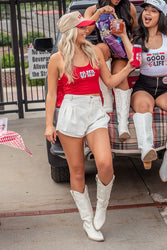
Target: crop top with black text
(154,62)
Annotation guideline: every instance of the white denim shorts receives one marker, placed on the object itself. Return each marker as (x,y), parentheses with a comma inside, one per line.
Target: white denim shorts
(79,115)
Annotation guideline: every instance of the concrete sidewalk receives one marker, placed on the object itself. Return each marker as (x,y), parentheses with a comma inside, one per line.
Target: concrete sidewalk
(26,185)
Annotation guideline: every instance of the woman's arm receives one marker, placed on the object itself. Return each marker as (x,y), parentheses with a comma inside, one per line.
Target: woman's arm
(93,13)
(125,39)
(53,74)
(127,43)
(111,80)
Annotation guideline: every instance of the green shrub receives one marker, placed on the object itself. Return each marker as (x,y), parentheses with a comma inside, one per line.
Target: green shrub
(7,61)
(47,6)
(31,36)
(35,82)
(5,39)
(26,65)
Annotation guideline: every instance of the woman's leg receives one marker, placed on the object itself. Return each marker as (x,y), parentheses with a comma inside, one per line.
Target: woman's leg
(122,93)
(73,148)
(122,100)
(99,144)
(108,98)
(105,50)
(162,103)
(143,104)
(116,66)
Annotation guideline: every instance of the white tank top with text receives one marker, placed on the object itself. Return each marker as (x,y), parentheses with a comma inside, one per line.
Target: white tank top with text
(154,62)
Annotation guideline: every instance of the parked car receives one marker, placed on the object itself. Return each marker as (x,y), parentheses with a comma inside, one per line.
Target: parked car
(56,157)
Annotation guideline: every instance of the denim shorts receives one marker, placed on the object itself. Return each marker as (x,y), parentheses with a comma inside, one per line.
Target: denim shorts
(79,115)
(155,86)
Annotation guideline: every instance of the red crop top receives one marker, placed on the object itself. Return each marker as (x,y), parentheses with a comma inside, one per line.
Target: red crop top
(86,81)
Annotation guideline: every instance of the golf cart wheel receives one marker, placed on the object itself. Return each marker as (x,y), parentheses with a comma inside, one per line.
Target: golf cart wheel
(60,174)
(59,166)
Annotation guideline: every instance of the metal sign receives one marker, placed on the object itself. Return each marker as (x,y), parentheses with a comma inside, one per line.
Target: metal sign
(38,63)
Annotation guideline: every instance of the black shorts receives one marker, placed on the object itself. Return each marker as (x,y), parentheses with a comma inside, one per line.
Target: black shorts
(155,86)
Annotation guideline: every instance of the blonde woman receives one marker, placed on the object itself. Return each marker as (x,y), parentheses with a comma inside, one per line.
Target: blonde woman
(77,66)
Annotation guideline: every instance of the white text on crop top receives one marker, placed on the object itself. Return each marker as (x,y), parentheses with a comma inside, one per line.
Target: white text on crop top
(154,62)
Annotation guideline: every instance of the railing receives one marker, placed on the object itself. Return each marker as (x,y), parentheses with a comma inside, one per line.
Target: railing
(21,21)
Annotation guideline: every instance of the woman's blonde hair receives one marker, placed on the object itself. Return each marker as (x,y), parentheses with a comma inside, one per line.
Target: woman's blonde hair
(67,48)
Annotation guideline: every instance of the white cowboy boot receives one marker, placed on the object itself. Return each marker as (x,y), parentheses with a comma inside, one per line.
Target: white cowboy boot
(103,196)
(108,98)
(163,168)
(86,212)
(144,133)
(122,101)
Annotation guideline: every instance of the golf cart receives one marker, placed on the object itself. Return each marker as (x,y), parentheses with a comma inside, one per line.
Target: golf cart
(56,156)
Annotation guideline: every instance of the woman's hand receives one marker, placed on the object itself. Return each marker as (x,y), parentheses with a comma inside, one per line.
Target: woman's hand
(106,10)
(50,134)
(121,34)
(130,67)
